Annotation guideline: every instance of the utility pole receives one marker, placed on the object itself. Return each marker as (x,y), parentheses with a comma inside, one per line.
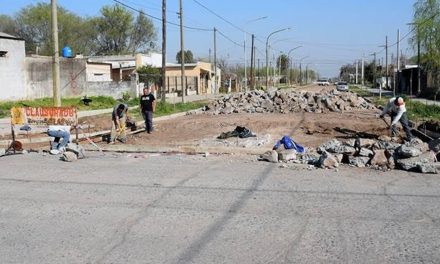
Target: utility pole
(300,75)
(252,63)
(386,62)
(56,57)
(164,50)
(245,63)
(357,71)
(307,73)
(398,62)
(215,60)
(374,70)
(182,53)
(418,63)
(362,71)
(258,72)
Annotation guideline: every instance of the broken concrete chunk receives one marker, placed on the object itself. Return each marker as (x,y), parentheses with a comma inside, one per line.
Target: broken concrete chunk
(434,145)
(420,163)
(2,152)
(405,151)
(330,145)
(327,161)
(69,156)
(379,158)
(287,154)
(77,149)
(360,162)
(364,152)
(271,156)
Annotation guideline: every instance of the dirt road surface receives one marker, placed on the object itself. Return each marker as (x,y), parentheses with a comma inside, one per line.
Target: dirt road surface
(308,129)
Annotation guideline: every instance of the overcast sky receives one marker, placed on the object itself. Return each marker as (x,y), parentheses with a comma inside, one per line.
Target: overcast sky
(331,32)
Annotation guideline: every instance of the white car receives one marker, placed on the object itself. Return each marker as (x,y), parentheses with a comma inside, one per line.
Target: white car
(342,86)
(323,82)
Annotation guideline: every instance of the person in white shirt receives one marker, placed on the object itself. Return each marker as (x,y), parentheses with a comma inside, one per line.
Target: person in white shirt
(59,132)
(397,110)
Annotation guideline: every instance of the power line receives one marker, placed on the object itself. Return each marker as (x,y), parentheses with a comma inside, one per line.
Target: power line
(160,19)
(219,16)
(226,37)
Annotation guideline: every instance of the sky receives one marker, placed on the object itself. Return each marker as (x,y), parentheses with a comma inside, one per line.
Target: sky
(331,33)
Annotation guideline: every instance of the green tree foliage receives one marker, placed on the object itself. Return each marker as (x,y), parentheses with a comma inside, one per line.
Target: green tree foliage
(34,26)
(427,32)
(283,60)
(347,72)
(189,57)
(143,35)
(148,74)
(7,25)
(117,32)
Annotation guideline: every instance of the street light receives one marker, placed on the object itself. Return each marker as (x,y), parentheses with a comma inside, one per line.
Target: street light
(244,47)
(267,54)
(288,56)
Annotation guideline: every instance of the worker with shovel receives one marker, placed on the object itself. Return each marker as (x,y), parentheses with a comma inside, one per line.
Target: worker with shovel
(119,115)
(397,110)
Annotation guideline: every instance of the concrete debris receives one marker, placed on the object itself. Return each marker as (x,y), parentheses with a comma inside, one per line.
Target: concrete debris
(327,161)
(379,159)
(365,152)
(287,154)
(379,154)
(271,156)
(69,156)
(257,101)
(360,162)
(434,145)
(423,163)
(77,149)
(2,152)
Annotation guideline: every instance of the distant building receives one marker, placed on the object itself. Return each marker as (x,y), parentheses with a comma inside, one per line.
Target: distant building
(12,67)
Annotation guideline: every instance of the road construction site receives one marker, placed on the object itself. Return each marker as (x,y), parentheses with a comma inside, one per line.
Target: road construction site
(182,195)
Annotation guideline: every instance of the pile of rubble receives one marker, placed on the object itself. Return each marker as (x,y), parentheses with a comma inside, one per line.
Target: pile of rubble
(382,154)
(258,101)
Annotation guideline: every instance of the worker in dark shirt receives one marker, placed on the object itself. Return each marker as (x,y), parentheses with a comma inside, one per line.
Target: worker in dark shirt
(148,107)
(119,116)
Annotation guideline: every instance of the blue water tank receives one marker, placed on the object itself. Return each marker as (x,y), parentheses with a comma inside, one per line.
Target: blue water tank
(67,52)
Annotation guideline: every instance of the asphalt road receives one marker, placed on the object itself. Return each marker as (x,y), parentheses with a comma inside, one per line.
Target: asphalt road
(128,208)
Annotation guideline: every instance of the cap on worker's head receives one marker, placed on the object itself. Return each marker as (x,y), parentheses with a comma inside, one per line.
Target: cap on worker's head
(398,101)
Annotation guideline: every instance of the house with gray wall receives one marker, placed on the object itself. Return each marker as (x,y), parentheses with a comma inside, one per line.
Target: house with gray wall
(12,67)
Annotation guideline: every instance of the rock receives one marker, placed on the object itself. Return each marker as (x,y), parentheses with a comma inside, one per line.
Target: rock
(342,149)
(408,152)
(384,138)
(69,156)
(77,149)
(330,145)
(360,162)
(364,152)
(339,157)
(385,145)
(287,154)
(327,161)
(421,163)
(379,158)
(271,156)
(434,145)
(2,152)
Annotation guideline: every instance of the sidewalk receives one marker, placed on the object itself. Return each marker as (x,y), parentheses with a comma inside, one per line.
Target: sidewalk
(376,92)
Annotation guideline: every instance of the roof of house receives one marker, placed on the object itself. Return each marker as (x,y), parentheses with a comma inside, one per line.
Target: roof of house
(7,36)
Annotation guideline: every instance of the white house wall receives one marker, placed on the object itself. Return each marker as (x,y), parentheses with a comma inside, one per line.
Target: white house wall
(12,67)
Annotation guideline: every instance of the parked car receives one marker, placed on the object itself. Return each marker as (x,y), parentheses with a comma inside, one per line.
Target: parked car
(323,82)
(342,86)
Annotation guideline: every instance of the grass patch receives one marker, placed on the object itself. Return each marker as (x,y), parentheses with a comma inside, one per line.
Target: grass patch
(420,111)
(98,102)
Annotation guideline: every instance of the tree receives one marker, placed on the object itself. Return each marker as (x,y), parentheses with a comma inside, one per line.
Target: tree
(34,26)
(143,35)
(148,74)
(347,72)
(427,33)
(189,58)
(284,60)
(7,25)
(118,33)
